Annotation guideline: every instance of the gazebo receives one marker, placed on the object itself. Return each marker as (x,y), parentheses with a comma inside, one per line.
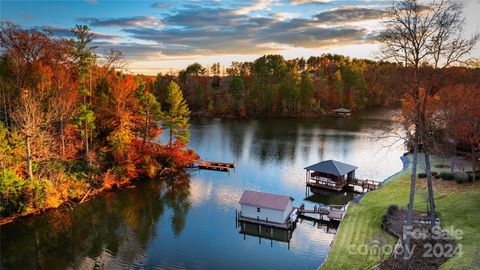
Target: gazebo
(330,174)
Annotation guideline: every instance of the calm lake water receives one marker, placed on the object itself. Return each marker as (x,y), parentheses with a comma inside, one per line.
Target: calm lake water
(191,225)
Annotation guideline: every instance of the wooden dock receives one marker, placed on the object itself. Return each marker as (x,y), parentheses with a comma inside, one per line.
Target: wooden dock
(365,185)
(332,212)
(216,166)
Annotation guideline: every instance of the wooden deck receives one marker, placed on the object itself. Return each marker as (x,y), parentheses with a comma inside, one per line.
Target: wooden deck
(216,166)
(285,226)
(331,212)
(323,184)
(365,185)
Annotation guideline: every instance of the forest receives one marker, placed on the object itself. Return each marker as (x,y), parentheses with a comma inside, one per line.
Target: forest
(73,124)
(272,86)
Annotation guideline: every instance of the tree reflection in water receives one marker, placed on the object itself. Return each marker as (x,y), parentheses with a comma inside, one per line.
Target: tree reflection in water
(112,230)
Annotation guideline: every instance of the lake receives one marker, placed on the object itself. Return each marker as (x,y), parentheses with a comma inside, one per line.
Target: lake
(190,223)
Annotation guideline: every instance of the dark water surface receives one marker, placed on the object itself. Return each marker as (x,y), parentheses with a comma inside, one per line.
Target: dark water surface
(192,225)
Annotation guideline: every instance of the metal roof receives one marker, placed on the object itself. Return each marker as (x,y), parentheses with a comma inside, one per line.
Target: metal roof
(341,110)
(332,167)
(265,200)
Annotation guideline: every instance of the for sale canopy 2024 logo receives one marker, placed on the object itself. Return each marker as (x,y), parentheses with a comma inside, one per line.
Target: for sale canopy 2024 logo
(435,248)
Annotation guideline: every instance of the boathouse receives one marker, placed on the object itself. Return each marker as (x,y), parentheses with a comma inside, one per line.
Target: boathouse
(341,112)
(330,174)
(266,207)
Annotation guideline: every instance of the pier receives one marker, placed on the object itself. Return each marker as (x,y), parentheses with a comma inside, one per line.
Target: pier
(216,166)
(332,212)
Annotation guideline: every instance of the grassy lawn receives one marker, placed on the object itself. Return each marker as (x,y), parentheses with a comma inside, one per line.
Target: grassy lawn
(458,205)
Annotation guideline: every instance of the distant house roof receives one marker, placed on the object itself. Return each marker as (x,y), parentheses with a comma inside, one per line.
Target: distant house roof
(332,167)
(341,110)
(265,200)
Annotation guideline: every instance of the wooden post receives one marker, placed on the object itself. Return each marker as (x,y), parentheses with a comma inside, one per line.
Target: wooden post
(236,218)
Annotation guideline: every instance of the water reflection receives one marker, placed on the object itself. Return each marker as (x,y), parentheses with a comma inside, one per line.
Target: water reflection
(329,197)
(112,230)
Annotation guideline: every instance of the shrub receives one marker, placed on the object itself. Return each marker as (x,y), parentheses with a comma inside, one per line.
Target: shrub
(422,175)
(441,166)
(446,176)
(434,173)
(470,176)
(14,193)
(460,177)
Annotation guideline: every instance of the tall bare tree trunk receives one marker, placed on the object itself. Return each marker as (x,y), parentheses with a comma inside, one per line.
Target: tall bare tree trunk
(28,157)
(452,166)
(431,199)
(62,135)
(407,229)
(474,161)
(87,156)
(5,110)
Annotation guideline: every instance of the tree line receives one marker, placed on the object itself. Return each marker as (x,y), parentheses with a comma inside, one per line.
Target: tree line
(274,86)
(74,123)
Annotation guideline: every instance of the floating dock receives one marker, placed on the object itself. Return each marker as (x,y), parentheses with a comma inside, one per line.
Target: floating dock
(216,166)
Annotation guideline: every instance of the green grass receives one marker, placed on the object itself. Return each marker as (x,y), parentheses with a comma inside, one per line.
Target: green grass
(458,205)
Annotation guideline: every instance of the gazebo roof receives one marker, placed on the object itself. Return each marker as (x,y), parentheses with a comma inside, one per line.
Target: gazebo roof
(332,167)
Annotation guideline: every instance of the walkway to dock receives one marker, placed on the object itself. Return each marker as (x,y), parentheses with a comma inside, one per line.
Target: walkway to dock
(332,212)
(364,184)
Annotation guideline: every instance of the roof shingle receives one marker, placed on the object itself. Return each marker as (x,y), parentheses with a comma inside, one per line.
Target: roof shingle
(332,167)
(265,200)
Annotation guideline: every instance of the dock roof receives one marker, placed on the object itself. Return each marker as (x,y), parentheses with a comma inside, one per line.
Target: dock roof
(332,167)
(341,110)
(265,200)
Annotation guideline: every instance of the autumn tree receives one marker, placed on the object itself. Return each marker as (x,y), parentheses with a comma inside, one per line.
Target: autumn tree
(150,113)
(463,121)
(177,115)
(84,58)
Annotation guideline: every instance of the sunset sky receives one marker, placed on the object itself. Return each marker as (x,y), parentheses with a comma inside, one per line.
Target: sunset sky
(167,36)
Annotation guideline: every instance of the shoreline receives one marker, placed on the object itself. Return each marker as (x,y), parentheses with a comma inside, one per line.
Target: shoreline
(361,228)
(70,205)
(406,163)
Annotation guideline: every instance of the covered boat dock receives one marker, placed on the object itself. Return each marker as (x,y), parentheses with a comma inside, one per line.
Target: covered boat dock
(335,175)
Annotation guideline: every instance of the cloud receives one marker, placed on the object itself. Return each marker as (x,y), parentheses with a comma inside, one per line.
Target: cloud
(319,37)
(210,31)
(131,50)
(67,33)
(349,14)
(258,5)
(136,21)
(302,2)
(159,5)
